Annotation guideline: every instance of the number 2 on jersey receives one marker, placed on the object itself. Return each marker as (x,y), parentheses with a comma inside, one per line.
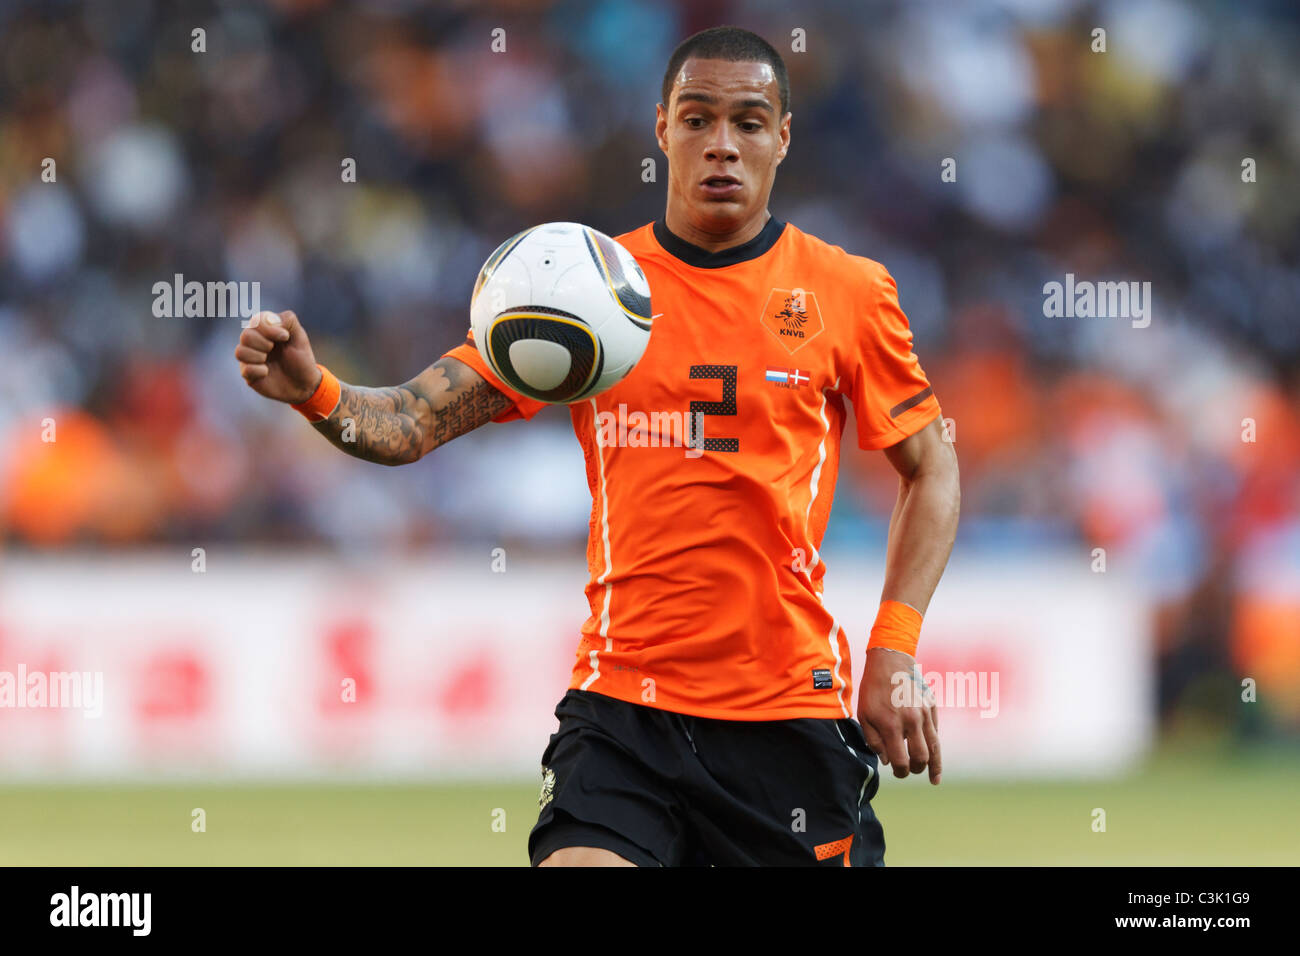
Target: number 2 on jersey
(727,373)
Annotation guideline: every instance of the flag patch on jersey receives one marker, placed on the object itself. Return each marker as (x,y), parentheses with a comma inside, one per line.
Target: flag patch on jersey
(786,377)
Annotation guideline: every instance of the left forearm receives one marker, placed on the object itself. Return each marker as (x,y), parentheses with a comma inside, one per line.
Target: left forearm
(921,535)
(905,732)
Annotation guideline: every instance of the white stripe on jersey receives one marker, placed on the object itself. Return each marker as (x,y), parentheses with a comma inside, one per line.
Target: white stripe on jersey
(604,532)
(816,555)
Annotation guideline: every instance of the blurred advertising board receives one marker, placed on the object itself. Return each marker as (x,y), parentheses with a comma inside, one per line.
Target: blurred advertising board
(299,665)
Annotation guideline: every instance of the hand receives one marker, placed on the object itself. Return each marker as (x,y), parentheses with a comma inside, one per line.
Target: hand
(898,713)
(276,359)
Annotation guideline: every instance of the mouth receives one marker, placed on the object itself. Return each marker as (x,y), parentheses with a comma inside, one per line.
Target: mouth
(720,187)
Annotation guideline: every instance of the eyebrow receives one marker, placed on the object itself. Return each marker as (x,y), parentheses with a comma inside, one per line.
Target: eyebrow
(711,100)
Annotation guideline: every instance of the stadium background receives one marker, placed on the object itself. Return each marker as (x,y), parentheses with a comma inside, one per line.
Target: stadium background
(1073,434)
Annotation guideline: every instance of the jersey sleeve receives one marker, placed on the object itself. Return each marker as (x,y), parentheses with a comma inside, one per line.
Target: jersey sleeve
(892,399)
(521,405)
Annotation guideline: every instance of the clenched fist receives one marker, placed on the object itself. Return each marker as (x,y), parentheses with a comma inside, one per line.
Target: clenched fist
(276,359)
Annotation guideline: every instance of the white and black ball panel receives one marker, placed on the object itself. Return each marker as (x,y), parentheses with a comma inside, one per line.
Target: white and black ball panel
(632,297)
(523,343)
(635,279)
(498,255)
(561,312)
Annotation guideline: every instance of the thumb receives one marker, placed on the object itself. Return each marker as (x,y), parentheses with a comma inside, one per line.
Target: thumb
(289,320)
(271,326)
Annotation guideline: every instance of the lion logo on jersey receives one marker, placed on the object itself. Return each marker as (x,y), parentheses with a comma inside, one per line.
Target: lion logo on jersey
(792,313)
(793,316)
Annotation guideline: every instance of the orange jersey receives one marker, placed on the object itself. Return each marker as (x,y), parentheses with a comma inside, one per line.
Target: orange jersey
(712,466)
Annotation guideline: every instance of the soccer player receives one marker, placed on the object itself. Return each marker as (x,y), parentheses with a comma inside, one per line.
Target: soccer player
(709,716)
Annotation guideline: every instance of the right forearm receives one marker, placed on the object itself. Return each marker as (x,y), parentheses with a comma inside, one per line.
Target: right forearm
(376,424)
(391,426)
(398,425)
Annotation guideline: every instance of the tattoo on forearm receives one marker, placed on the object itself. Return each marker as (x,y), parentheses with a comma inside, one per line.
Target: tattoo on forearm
(467,409)
(397,425)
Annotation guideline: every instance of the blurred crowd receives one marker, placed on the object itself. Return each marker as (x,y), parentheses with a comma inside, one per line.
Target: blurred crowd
(1175,447)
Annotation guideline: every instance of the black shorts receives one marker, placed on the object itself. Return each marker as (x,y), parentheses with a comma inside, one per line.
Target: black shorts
(664,789)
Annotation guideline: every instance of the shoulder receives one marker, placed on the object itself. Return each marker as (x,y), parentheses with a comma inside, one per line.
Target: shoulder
(836,261)
(865,277)
(640,241)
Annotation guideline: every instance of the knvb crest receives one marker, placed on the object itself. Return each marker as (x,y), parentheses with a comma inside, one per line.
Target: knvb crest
(792,315)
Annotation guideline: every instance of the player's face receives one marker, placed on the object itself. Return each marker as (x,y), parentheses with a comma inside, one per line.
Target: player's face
(724,138)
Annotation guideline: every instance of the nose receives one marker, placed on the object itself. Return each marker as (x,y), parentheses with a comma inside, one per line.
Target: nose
(721,147)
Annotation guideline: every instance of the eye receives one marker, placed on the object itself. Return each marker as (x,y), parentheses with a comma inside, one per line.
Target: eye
(749,126)
(691,121)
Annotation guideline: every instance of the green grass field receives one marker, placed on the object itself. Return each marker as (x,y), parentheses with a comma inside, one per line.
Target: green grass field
(1180,810)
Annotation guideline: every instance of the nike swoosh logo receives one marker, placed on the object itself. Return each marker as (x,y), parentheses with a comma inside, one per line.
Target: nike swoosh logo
(655,316)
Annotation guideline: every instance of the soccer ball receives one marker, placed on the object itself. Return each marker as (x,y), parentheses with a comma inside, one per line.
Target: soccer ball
(561,312)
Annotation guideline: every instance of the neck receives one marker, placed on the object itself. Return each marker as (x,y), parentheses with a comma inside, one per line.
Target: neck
(679,225)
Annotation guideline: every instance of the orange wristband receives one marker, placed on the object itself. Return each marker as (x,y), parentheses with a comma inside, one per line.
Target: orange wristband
(324,400)
(897,627)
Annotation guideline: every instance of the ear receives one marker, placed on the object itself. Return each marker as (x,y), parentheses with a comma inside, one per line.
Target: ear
(785,137)
(661,127)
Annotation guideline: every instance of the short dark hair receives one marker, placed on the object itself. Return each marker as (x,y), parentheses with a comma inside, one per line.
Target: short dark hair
(734,44)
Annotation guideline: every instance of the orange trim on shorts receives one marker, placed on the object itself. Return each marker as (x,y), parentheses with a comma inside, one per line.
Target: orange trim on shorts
(825,851)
